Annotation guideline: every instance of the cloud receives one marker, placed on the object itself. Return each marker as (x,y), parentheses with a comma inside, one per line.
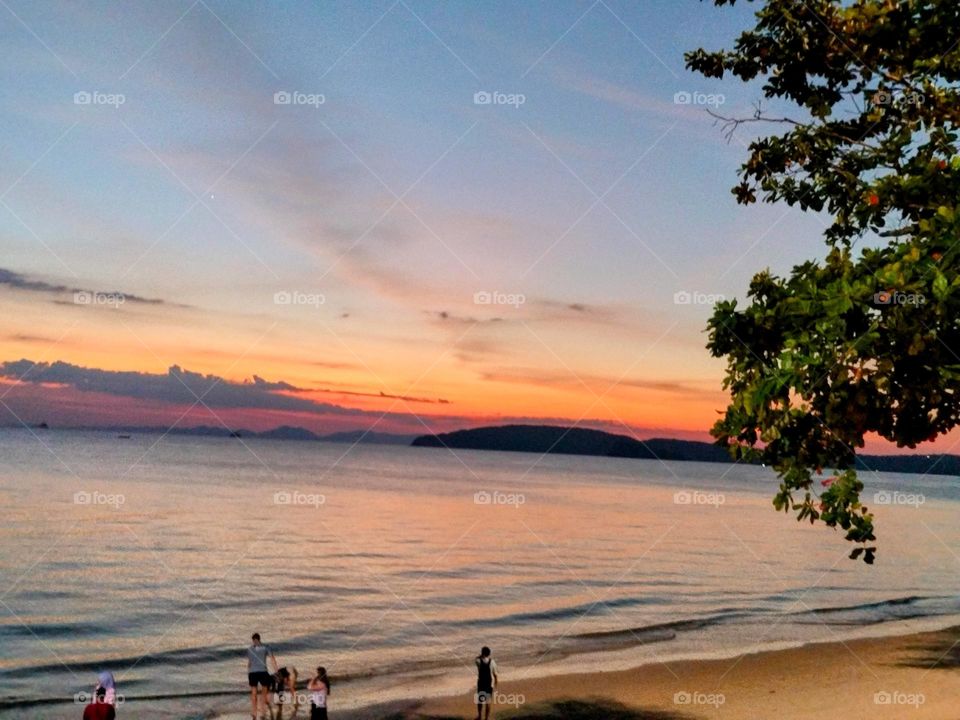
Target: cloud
(179,386)
(628,98)
(385,396)
(28,338)
(447,317)
(576,382)
(18,281)
(545,309)
(260,384)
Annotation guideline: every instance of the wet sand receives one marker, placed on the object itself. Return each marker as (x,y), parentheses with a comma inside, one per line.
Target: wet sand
(913,676)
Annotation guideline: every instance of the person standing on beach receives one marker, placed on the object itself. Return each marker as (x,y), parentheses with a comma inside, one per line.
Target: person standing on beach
(260,679)
(319,687)
(99,708)
(486,681)
(105,680)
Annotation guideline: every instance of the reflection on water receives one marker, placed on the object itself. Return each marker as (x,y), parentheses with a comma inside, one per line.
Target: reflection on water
(391,566)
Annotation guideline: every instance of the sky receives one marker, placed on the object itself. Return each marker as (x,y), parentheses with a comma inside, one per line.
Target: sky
(397,215)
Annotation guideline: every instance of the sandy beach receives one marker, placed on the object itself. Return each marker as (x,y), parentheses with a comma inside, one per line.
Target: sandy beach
(906,677)
(913,676)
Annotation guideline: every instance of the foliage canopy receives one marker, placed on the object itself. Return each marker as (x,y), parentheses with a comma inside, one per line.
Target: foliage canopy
(868,339)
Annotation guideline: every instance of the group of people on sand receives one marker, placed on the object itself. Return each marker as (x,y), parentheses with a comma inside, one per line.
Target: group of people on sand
(282,683)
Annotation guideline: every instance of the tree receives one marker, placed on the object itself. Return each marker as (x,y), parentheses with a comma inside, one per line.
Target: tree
(868,339)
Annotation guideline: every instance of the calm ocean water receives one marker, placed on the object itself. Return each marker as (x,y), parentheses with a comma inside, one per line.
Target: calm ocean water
(157,558)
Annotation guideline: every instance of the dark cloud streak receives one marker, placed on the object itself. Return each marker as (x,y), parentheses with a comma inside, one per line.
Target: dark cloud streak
(183,387)
(18,281)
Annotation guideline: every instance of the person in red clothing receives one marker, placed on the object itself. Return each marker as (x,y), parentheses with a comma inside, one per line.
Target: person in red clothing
(99,709)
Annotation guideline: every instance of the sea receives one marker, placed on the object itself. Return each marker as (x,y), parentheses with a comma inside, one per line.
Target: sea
(157,556)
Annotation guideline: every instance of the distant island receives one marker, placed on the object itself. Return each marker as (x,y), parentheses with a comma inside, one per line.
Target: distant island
(289,432)
(283,432)
(573,441)
(552,439)
(581,441)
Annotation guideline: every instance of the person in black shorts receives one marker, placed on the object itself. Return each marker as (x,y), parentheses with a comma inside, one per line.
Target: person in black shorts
(486,681)
(260,679)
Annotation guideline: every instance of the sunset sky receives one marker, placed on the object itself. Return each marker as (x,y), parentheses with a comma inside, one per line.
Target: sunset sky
(328,262)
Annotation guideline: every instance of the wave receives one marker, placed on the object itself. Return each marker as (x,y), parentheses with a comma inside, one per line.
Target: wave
(858,615)
(908,600)
(180,657)
(874,613)
(566,613)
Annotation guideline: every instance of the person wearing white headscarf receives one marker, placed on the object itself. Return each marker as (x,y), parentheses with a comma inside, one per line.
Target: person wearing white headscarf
(105,680)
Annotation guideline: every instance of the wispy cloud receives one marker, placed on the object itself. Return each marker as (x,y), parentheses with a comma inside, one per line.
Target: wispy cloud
(599,383)
(18,281)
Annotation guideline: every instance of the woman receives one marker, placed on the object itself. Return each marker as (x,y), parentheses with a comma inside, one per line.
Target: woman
(105,680)
(101,706)
(319,687)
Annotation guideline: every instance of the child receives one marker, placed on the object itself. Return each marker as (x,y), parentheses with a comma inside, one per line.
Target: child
(319,687)
(285,684)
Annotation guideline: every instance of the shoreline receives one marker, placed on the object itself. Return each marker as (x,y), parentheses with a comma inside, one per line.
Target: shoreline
(913,675)
(919,673)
